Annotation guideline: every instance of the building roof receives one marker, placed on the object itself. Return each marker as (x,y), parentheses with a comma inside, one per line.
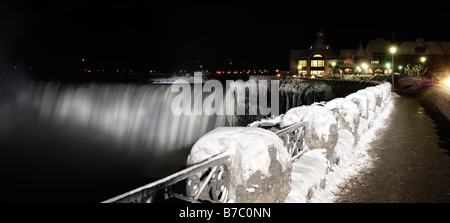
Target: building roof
(377,46)
(304,54)
(422,47)
(347,53)
(360,51)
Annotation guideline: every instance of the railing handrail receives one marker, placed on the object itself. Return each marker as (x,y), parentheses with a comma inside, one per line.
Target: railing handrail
(291,127)
(291,136)
(169,180)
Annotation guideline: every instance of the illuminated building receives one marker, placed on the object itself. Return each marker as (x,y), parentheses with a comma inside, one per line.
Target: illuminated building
(375,56)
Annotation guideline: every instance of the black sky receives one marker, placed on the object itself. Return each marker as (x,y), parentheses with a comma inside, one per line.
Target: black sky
(171,35)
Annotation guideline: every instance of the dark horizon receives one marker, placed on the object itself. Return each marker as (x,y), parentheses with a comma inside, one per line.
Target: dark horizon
(51,36)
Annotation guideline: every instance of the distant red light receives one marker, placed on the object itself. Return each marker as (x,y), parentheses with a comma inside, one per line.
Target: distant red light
(218,72)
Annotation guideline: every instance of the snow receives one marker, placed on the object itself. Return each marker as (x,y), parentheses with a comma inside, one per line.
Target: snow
(318,117)
(314,181)
(362,102)
(347,124)
(244,145)
(353,161)
(267,122)
(347,113)
(308,171)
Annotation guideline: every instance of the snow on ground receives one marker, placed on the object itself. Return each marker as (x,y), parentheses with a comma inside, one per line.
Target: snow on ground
(312,171)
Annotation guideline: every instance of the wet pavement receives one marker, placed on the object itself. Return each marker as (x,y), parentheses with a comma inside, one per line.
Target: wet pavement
(410,161)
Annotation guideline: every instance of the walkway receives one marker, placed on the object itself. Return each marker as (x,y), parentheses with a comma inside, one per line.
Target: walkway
(409,164)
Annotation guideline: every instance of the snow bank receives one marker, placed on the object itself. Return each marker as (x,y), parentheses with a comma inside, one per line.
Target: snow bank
(362,102)
(336,134)
(321,127)
(309,173)
(316,182)
(346,113)
(353,160)
(259,164)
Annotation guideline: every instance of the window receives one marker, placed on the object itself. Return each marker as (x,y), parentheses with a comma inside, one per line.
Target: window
(379,56)
(317,72)
(317,63)
(317,55)
(303,63)
(375,62)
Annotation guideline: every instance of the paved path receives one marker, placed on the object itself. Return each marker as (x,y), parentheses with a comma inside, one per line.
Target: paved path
(409,164)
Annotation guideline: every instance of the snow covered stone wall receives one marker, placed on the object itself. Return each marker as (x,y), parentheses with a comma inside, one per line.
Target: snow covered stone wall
(321,126)
(315,177)
(336,132)
(260,166)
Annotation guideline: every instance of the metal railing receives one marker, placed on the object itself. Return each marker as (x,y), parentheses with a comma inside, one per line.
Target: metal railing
(208,181)
(293,138)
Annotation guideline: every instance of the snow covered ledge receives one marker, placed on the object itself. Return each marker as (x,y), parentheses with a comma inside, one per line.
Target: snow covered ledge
(314,177)
(259,165)
(261,169)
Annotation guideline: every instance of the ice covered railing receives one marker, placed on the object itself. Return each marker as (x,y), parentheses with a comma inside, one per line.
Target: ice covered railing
(281,164)
(212,186)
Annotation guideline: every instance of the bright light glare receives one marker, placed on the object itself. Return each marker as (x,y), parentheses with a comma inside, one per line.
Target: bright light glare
(447,82)
(393,50)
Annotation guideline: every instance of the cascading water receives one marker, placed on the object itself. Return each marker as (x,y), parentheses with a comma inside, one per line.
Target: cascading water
(93,141)
(133,115)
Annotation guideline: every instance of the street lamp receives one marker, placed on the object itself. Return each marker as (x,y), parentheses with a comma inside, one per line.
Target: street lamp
(423,59)
(333,64)
(393,50)
(364,66)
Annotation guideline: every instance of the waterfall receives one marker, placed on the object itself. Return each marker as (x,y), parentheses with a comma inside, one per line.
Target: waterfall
(133,115)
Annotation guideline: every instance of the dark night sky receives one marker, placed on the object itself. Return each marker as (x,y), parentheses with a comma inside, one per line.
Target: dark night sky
(171,35)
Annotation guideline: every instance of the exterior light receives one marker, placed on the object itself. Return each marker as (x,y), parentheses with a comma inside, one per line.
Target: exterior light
(423,59)
(333,64)
(388,66)
(364,66)
(447,82)
(393,49)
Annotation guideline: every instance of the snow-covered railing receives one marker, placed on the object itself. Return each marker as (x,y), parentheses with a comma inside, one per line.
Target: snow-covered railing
(212,185)
(293,138)
(208,181)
